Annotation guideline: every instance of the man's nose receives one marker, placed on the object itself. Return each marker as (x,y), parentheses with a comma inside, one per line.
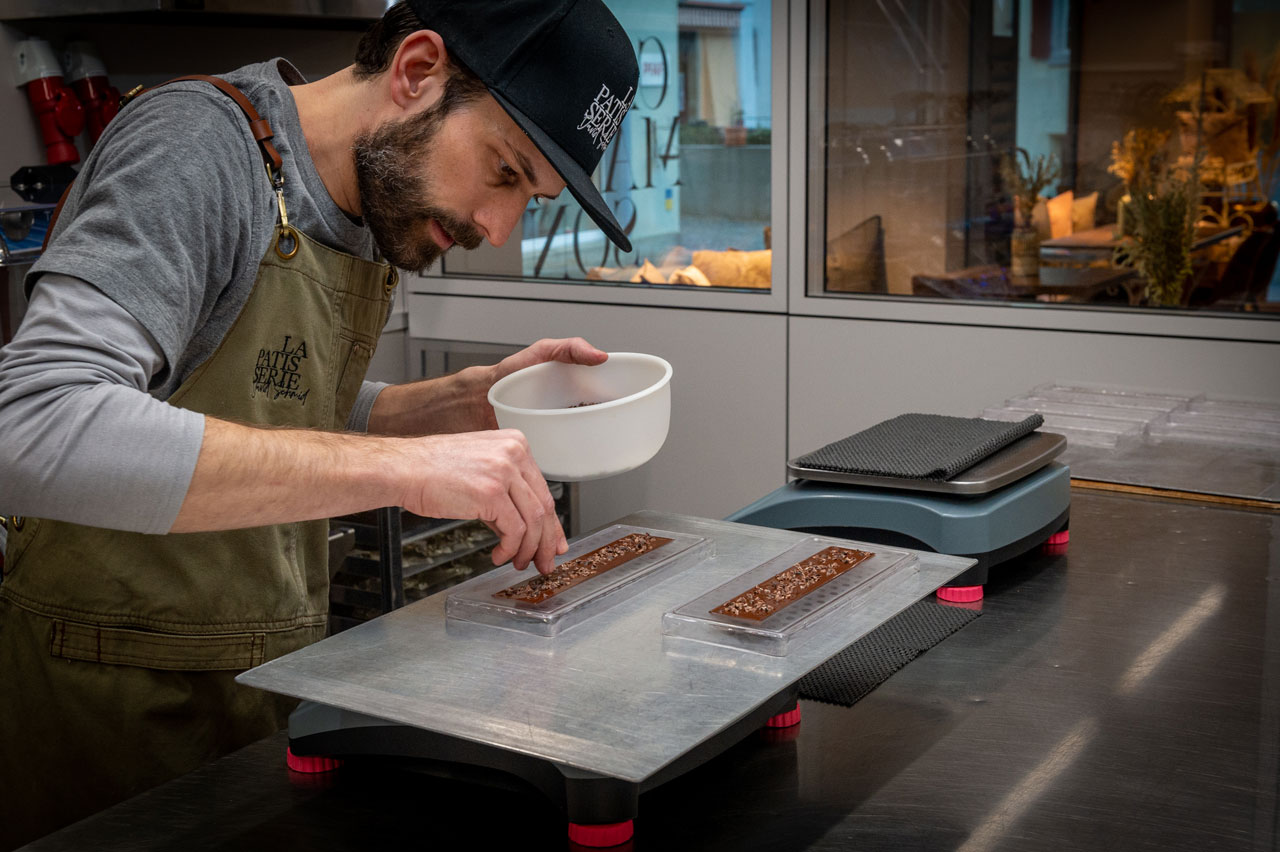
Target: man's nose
(498,219)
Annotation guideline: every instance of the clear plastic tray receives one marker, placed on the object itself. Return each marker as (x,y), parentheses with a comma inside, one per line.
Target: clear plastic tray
(1212,429)
(1081,431)
(776,633)
(1237,408)
(474,600)
(1203,420)
(1131,413)
(1105,395)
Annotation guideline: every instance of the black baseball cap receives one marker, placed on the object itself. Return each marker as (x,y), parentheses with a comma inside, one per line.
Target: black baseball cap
(564,70)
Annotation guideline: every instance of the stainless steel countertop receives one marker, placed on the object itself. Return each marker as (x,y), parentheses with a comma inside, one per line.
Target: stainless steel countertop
(1196,467)
(1122,696)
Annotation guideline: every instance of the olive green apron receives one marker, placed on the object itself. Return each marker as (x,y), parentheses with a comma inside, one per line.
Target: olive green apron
(118,650)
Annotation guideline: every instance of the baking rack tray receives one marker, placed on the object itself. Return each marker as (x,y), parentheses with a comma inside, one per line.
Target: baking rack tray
(476,601)
(775,634)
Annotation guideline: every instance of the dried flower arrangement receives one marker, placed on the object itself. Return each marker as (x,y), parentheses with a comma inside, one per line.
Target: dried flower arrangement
(1163,215)
(1140,156)
(1159,212)
(1026,184)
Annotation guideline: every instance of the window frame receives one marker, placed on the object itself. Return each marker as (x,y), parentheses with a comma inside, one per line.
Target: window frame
(806,277)
(774,300)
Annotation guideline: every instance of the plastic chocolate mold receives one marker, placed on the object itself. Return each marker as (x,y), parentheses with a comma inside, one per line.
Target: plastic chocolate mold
(597,572)
(801,601)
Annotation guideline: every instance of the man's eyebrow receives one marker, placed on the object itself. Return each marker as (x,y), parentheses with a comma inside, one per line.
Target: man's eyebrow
(525,166)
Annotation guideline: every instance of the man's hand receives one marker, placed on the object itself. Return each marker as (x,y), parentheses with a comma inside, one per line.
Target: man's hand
(569,350)
(490,476)
(460,403)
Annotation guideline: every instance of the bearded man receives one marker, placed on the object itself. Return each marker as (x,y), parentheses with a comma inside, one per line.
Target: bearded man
(185,402)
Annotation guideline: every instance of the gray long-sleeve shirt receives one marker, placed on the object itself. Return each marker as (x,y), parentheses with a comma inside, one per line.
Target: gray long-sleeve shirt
(154,256)
(85,441)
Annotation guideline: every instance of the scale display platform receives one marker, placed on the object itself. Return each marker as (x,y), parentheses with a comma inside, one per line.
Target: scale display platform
(1017,499)
(592,716)
(1020,459)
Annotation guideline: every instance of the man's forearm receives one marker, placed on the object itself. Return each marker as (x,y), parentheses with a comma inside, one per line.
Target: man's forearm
(247,476)
(454,403)
(460,402)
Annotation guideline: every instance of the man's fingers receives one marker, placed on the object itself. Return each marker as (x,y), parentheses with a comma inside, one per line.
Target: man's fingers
(494,474)
(575,350)
(532,514)
(511,531)
(552,543)
(570,350)
(539,512)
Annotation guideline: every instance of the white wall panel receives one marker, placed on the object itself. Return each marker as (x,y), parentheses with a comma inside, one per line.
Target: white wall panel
(728,401)
(847,374)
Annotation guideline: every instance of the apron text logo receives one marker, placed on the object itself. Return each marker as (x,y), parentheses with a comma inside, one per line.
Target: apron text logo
(277,372)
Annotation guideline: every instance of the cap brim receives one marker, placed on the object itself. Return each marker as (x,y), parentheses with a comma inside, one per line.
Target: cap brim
(575,177)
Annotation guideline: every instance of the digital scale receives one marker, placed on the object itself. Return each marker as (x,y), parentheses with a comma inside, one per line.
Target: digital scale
(631,680)
(1017,499)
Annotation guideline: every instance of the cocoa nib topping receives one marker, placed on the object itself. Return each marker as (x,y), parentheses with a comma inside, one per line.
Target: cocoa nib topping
(571,573)
(763,600)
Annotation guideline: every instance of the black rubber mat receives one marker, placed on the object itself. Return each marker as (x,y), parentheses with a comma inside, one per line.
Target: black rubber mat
(919,446)
(852,674)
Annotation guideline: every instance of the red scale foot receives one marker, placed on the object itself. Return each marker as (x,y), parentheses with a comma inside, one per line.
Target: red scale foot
(960,594)
(789,719)
(1056,544)
(303,763)
(597,836)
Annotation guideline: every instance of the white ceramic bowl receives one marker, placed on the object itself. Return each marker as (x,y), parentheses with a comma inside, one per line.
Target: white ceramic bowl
(623,427)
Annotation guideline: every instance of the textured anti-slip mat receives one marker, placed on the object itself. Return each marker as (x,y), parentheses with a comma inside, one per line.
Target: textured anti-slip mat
(851,674)
(919,446)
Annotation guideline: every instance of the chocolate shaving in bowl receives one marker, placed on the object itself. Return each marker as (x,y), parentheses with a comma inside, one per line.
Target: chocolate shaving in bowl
(786,587)
(538,589)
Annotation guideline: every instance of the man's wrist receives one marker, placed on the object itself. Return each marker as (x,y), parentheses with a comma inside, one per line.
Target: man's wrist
(377,467)
(454,403)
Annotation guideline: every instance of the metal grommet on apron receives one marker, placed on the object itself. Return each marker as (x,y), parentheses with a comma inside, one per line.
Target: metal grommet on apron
(393,278)
(18,522)
(286,242)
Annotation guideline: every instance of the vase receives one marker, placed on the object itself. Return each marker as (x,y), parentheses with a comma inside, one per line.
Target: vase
(1024,251)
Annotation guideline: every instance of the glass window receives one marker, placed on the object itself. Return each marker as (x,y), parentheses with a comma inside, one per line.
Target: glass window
(1124,153)
(688,174)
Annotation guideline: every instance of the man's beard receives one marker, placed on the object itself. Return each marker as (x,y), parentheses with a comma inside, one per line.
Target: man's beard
(395,195)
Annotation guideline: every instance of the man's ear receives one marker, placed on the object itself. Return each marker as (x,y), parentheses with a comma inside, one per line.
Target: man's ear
(419,71)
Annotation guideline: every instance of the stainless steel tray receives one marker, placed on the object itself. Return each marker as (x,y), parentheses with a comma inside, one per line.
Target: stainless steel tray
(613,696)
(1021,458)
